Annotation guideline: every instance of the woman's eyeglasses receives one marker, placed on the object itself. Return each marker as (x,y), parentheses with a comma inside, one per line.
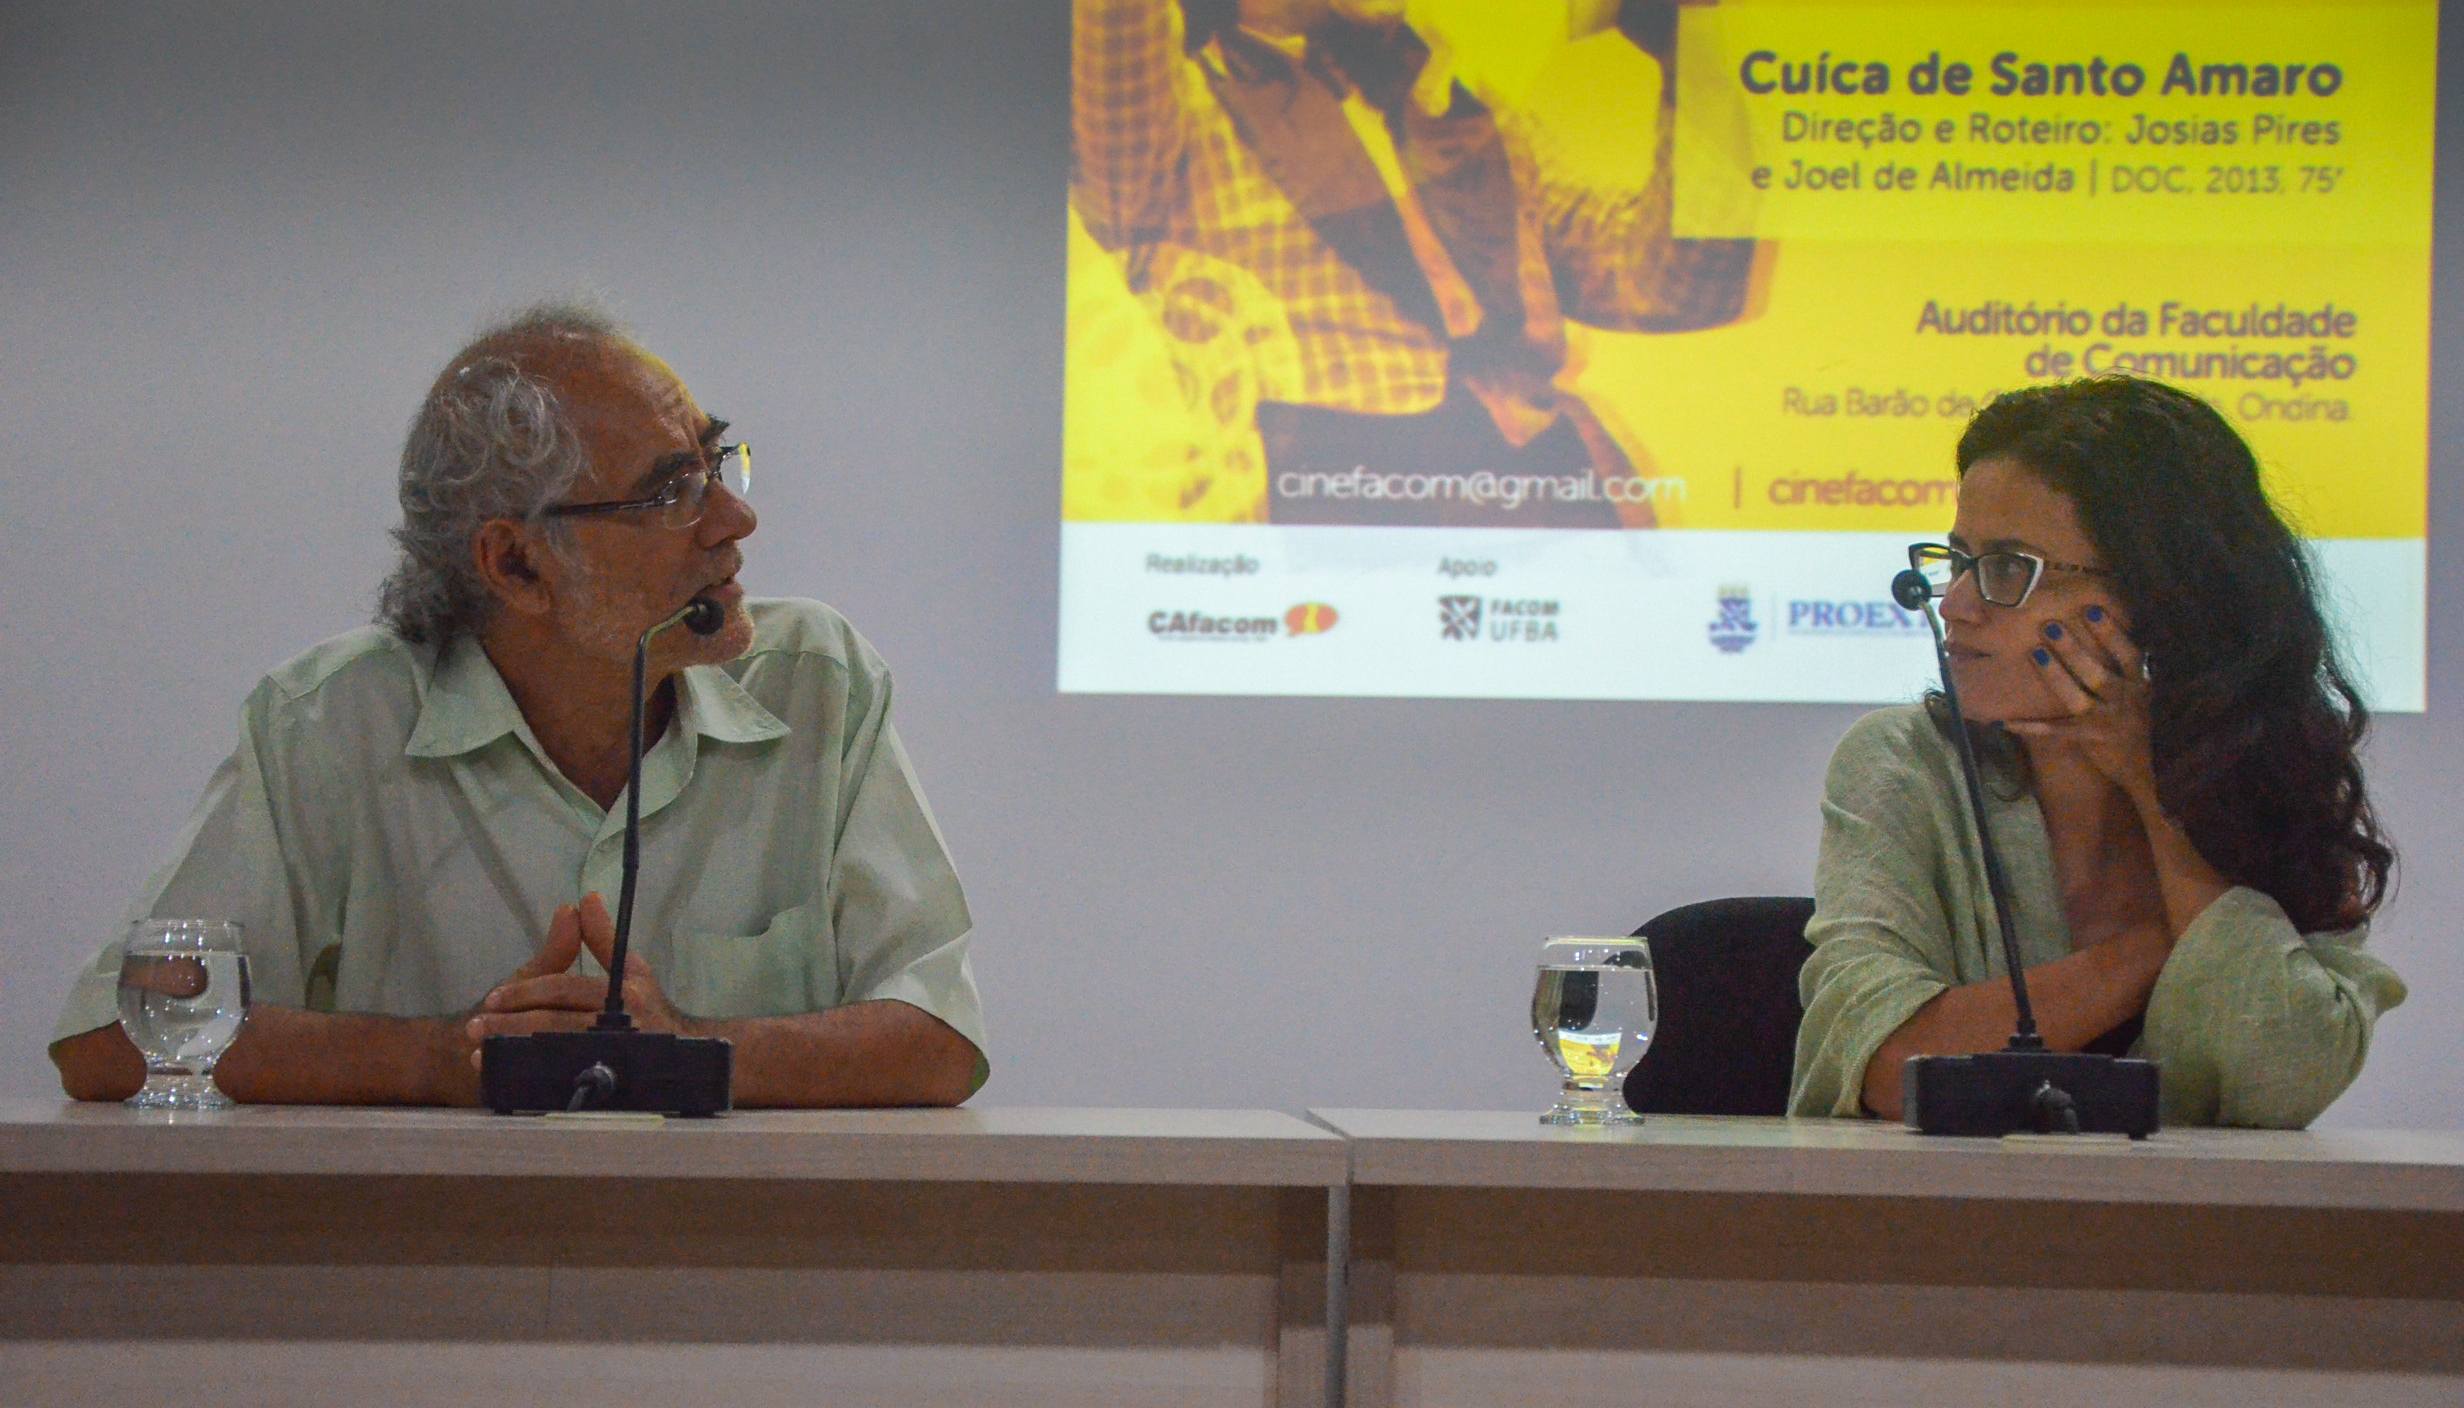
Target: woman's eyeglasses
(2004,578)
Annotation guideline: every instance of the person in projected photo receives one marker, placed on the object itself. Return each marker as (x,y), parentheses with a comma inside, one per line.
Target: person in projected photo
(2170,754)
(1420,240)
(422,816)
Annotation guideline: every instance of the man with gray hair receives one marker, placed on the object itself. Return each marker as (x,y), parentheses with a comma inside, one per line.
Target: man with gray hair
(422,816)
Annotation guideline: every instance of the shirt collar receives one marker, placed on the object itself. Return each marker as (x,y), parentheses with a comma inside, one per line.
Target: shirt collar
(468,707)
(712,704)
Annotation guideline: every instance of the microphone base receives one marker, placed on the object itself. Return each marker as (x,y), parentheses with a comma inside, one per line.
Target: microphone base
(654,1072)
(1994,1093)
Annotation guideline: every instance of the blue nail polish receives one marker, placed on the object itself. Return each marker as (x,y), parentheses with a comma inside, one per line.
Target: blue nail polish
(2053,630)
(2043,656)
(2095,614)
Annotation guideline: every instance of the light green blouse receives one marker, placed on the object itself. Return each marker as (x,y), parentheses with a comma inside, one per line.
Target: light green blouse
(2252,1022)
(395,841)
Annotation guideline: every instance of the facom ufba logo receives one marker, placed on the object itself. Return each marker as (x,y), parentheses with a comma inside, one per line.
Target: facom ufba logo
(1530,620)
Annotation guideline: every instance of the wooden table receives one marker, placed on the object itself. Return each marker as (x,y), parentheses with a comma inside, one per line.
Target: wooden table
(1774,1262)
(324,1256)
(331,1257)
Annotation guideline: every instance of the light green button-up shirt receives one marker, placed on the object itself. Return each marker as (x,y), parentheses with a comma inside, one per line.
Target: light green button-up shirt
(395,841)
(2253,1022)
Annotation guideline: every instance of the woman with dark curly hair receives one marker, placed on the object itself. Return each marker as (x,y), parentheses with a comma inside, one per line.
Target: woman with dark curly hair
(2169,751)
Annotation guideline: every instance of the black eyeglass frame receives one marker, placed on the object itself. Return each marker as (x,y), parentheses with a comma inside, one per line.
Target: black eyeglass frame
(1962,563)
(714,470)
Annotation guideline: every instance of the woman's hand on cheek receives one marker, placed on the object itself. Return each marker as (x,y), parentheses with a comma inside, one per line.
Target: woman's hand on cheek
(2094,674)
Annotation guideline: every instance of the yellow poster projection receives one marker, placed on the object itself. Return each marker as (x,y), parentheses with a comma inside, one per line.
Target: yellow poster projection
(1565,349)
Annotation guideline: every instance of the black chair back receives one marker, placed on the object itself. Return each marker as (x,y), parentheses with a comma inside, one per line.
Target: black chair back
(1727,1037)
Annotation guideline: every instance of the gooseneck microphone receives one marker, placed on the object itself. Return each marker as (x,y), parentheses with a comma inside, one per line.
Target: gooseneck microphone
(1913,592)
(702,617)
(2023,1086)
(613,1065)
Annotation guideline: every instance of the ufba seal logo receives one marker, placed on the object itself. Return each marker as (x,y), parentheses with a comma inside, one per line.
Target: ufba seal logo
(1734,628)
(1310,618)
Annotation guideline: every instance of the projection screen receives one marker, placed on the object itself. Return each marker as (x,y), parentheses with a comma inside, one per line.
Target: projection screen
(1535,349)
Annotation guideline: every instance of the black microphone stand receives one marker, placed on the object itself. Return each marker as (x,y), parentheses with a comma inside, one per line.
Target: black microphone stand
(2023,1086)
(613,1065)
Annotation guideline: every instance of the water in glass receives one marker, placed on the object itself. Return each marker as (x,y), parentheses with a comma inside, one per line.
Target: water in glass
(183,996)
(1593,1008)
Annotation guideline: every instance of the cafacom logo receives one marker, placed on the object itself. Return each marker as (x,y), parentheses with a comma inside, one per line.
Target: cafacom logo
(1530,620)
(1210,628)
(1310,618)
(1733,629)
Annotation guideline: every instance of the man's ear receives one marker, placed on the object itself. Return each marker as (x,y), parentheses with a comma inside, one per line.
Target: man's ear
(506,556)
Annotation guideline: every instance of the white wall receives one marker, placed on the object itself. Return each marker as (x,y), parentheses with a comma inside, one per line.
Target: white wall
(235,242)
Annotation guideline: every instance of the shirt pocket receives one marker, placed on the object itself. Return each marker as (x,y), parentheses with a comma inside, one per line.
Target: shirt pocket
(789,967)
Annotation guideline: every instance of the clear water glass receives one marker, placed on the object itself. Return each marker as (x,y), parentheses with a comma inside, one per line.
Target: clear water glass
(183,997)
(1593,1007)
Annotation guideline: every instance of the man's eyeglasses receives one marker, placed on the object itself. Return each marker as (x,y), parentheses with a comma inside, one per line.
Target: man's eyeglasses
(2004,578)
(679,502)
